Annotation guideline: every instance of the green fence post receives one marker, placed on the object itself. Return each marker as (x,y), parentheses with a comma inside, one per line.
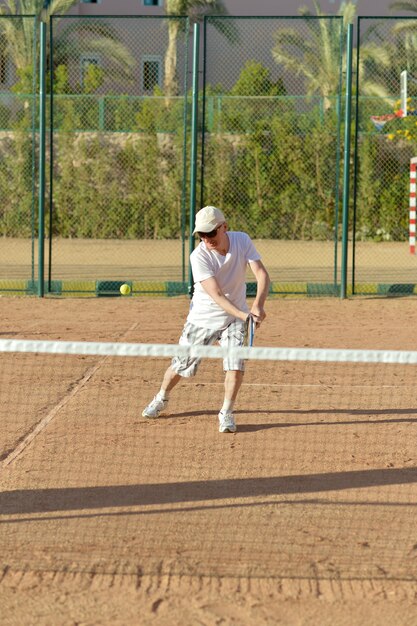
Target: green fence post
(42,155)
(101,113)
(184,161)
(355,148)
(34,133)
(338,157)
(51,151)
(346,164)
(194,134)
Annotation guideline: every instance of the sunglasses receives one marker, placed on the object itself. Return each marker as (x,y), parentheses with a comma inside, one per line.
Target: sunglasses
(211,234)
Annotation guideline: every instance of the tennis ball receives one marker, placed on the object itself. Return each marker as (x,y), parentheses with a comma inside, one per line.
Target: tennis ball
(125,290)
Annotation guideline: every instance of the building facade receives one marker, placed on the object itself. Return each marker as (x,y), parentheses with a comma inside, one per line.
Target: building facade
(152,66)
(150,58)
(234,7)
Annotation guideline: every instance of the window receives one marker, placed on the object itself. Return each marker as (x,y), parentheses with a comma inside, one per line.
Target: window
(3,60)
(151,73)
(152,3)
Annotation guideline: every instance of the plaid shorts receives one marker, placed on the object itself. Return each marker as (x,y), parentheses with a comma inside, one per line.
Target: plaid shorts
(231,336)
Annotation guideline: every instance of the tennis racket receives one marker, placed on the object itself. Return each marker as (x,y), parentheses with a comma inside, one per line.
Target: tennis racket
(249,333)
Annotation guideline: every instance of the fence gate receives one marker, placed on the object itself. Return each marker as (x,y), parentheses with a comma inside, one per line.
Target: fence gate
(18,150)
(118,111)
(272,142)
(381,261)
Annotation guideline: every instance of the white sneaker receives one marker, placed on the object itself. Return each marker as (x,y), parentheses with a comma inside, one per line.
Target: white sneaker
(227,422)
(154,408)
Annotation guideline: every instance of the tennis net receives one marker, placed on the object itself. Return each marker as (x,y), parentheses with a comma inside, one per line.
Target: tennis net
(320,479)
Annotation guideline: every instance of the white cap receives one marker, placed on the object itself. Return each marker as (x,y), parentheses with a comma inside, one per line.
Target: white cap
(207,219)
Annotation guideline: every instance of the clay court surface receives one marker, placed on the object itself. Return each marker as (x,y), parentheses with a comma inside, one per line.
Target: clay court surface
(305,516)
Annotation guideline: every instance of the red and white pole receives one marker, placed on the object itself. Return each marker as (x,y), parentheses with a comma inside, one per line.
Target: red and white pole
(412,206)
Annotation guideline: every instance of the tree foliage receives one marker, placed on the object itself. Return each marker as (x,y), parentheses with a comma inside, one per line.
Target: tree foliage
(272,161)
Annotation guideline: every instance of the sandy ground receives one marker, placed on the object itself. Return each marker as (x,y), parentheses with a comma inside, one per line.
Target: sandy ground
(305,517)
(287,261)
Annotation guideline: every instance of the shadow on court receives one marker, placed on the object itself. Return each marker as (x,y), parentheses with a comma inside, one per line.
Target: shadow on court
(250,428)
(254,427)
(81,498)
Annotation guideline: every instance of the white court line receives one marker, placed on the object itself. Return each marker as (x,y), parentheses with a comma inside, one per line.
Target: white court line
(320,385)
(40,426)
(91,348)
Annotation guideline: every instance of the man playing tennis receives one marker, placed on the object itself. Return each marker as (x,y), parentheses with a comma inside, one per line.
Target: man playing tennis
(218,309)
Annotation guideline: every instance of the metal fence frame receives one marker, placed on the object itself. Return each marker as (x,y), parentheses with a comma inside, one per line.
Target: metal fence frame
(112,289)
(338,285)
(384,285)
(342,285)
(12,285)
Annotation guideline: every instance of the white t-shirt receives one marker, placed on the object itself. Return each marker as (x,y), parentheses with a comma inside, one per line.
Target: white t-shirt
(230,272)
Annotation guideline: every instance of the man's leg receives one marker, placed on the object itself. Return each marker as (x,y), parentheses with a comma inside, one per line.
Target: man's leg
(232,382)
(181,367)
(158,404)
(169,381)
(232,337)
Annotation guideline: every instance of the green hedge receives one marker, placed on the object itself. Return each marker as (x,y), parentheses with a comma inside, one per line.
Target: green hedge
(270,162)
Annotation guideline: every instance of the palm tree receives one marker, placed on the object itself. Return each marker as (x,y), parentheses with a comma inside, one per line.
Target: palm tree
(387,50)
(18,36)
(404,5)
(19,33)
(196,10)
(408,29)
(83,37)
(317,58)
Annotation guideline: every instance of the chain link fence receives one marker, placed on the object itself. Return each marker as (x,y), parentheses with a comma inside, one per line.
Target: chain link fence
(385,143)
(272,141)
(18,150)
(270,150)
(118,146)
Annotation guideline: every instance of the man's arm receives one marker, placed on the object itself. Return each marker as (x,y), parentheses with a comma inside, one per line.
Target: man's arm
(262,278)
(211,286)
